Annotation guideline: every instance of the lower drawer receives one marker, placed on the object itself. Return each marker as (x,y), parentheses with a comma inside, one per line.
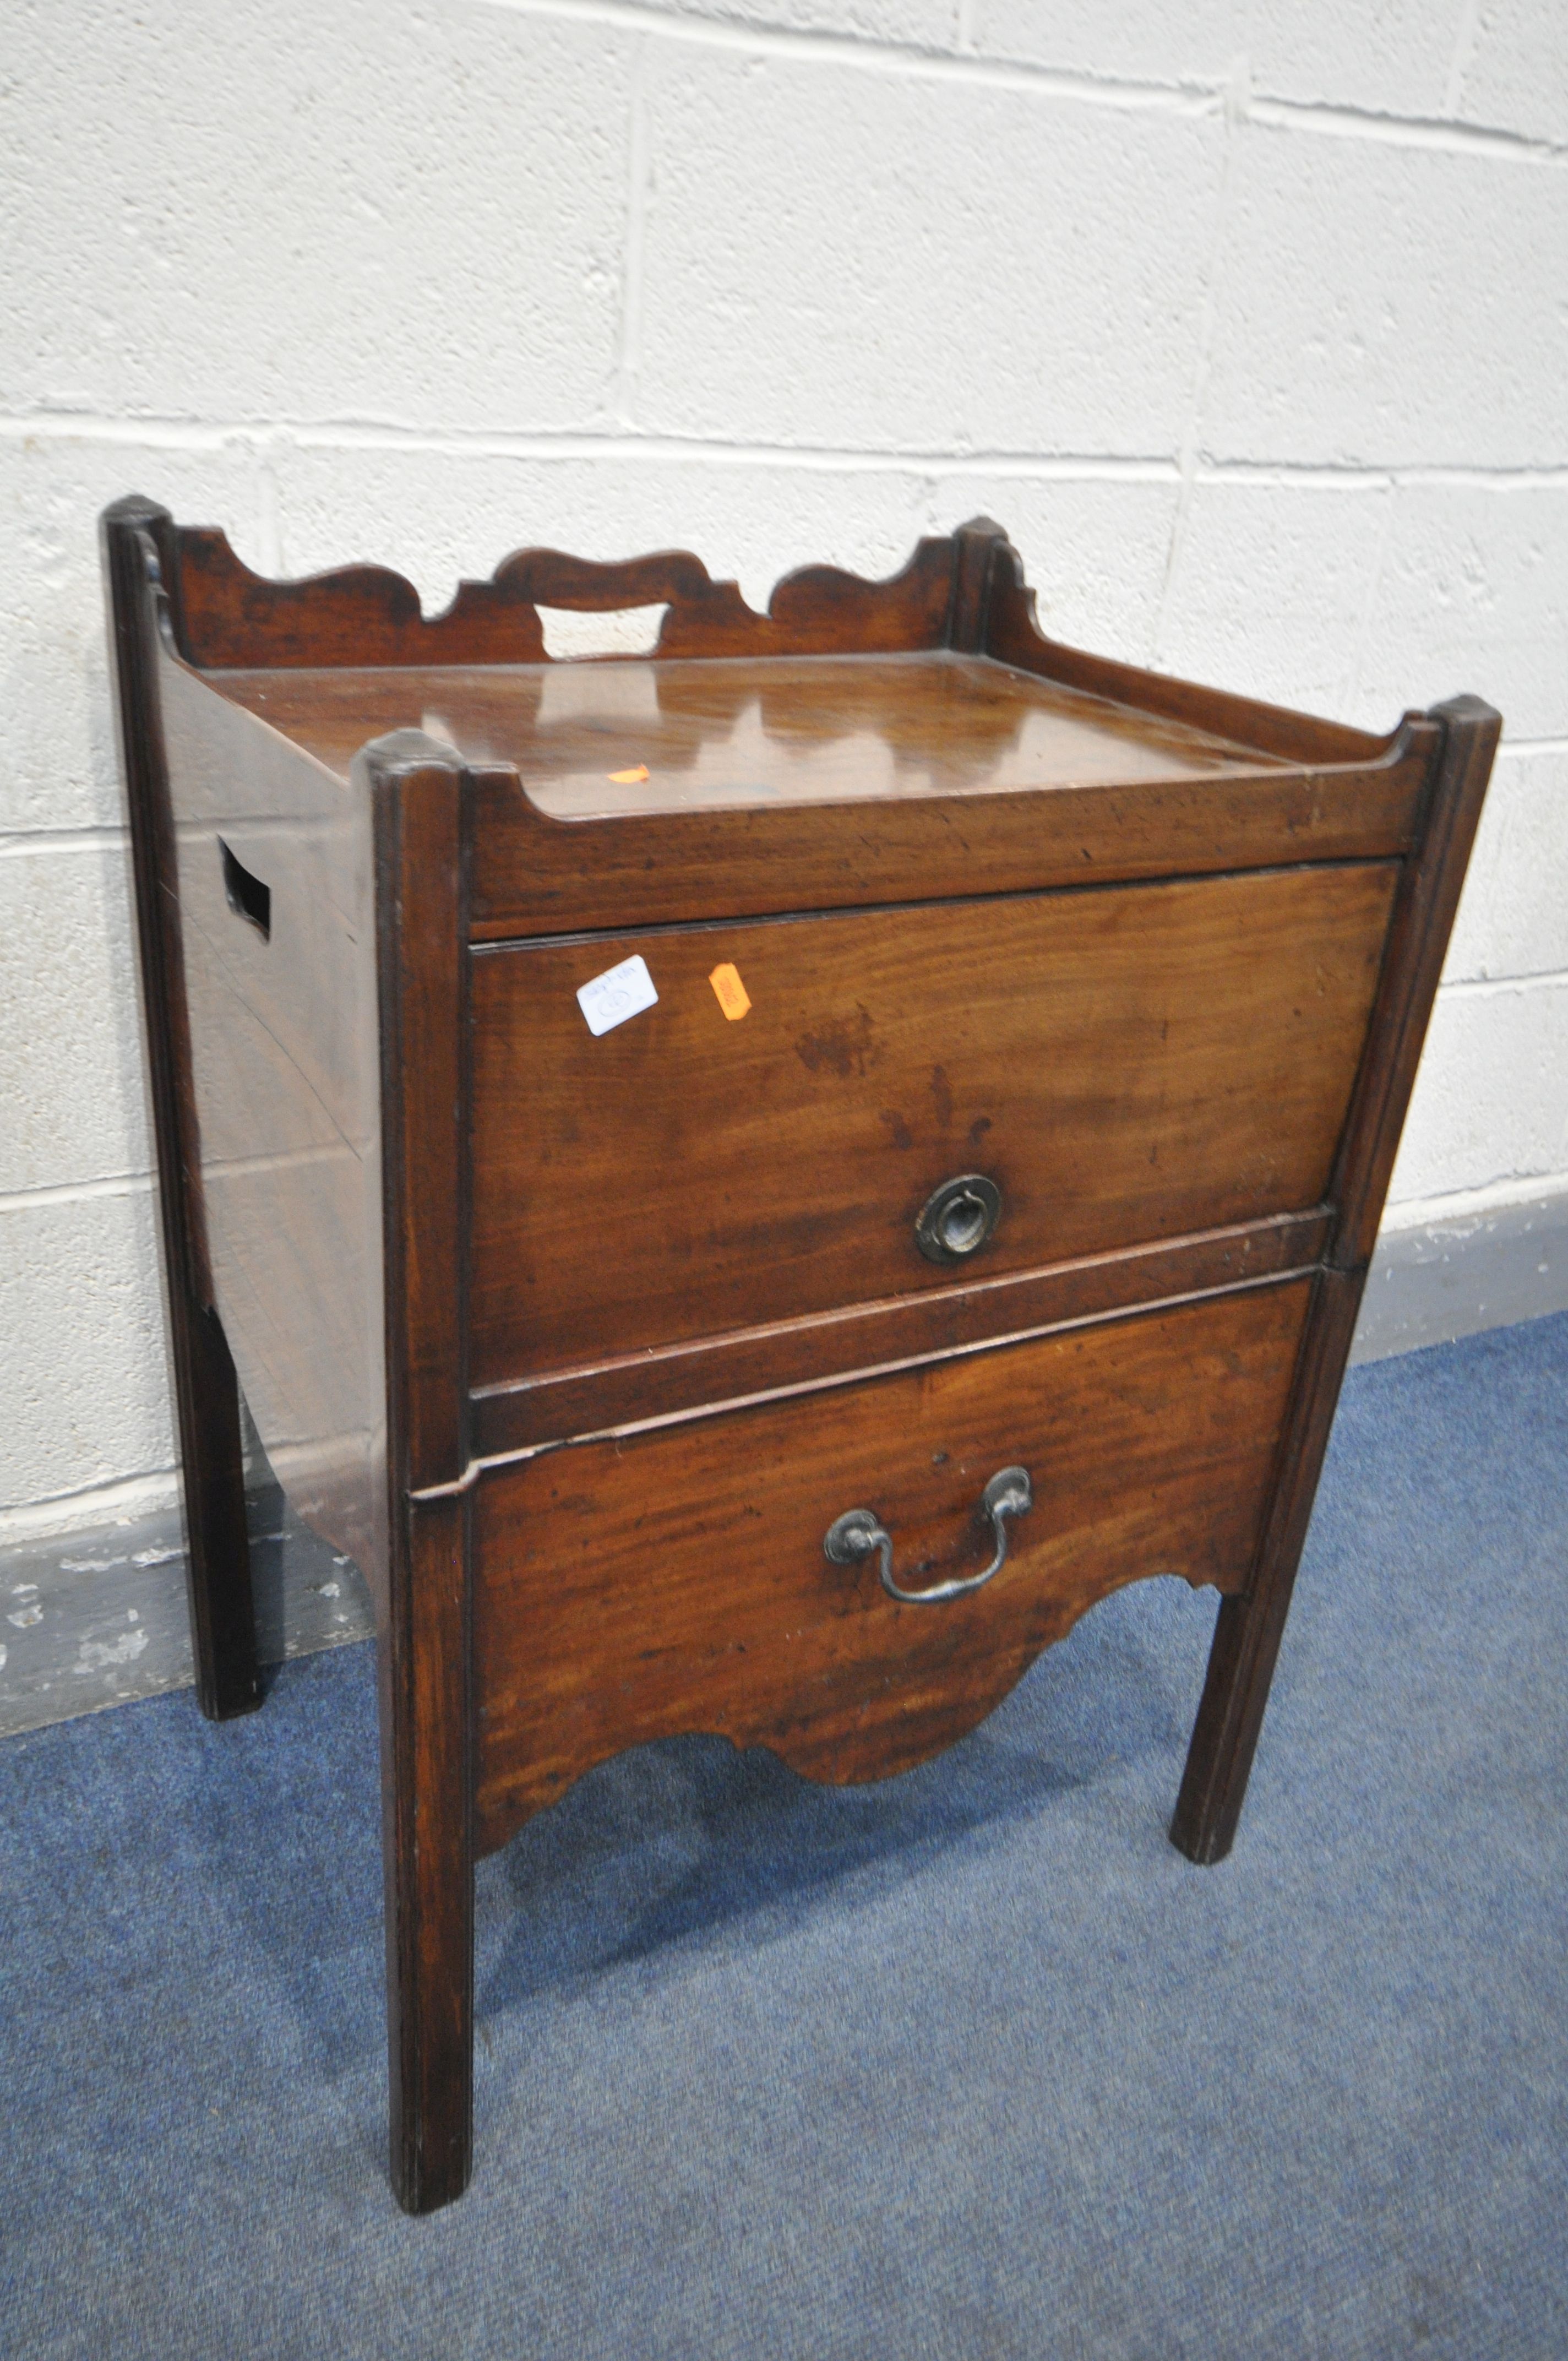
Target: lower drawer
(675,1579)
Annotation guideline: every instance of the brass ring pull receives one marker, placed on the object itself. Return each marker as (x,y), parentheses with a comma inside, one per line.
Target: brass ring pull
(857,1531)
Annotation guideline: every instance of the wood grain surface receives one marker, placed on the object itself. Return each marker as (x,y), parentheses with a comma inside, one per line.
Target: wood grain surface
(1130,947)
(741,735)
(1430,886)
(424,1658)
(1125,1064)
(1247,1636)
(534,875)
(964,592)
(850,749)
(1010,634)
(225,615)
(673,1581)
(821,1348)
(206,1394)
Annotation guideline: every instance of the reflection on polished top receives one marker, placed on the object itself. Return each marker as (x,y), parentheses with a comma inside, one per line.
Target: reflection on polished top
(730,732)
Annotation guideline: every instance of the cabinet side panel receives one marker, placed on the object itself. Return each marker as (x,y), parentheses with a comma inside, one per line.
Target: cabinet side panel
(274,862)
(206,1398)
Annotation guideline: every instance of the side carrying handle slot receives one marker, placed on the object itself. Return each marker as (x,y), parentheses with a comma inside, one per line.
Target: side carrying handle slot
(247,896)
(859,1532)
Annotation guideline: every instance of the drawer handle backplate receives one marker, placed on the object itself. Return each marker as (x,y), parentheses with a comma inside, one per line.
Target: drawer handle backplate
(857,1531)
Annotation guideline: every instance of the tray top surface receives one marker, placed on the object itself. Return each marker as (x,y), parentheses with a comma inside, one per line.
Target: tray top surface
(714,733)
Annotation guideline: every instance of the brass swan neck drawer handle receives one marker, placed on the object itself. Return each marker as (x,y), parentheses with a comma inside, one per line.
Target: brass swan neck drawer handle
(857,1531)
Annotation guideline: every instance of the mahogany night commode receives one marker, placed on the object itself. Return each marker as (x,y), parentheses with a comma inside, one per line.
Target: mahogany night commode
(747,1188)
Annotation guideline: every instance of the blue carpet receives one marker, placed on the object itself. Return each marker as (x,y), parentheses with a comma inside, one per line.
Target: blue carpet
(970,2064)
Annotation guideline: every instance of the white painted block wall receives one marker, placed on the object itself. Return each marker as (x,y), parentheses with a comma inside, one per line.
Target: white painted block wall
(1250,322)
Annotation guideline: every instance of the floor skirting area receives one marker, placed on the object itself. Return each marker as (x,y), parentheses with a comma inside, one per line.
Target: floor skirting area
(968,2064)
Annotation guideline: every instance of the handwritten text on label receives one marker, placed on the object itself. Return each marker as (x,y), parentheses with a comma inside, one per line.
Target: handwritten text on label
(620,991)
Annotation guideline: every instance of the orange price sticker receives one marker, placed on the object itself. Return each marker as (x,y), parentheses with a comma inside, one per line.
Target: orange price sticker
(729,991)
(632,778)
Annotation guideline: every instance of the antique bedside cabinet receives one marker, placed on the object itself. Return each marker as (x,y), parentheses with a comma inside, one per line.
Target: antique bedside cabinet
(749,1187)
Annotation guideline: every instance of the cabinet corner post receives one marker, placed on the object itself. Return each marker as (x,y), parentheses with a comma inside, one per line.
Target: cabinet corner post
(420,817)
(135,538)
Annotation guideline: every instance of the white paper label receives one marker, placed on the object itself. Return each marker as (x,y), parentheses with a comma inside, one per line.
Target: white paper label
(620,993)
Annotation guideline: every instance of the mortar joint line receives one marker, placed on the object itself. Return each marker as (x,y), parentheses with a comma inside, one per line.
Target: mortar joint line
(1518,1191)
(75,1192)
(159,432)
(1236,99)
(628,328)
(1496,987)
(1194,97)
(1361,637)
